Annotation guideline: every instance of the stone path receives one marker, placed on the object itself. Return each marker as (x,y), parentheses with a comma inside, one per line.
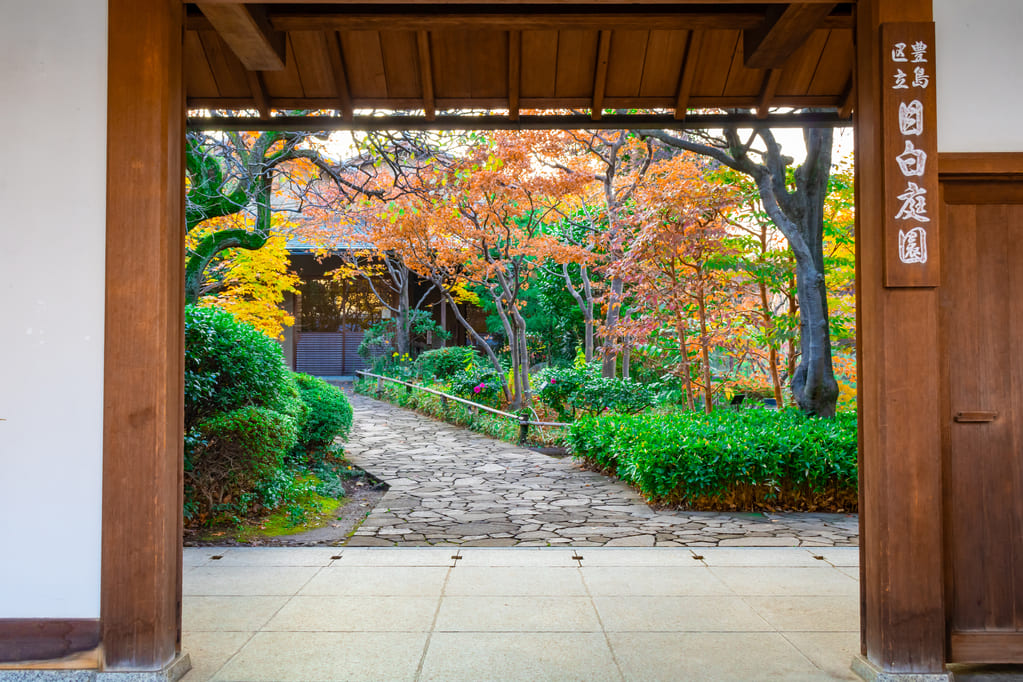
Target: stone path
(452,486)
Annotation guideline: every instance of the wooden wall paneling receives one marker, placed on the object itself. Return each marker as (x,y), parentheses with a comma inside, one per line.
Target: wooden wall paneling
(287,83)
(902,617)
(627,63)
(577,56)
(364,64)
(716,50)
(662,67)
(967,647)
(143,423)
(452,73)
(539,63)
(313,63)
(46,639)
(488,73)
(401,57)
(201,82)
(1014,470)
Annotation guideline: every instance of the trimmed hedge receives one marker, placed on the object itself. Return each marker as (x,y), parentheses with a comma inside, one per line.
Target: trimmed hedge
(330,413)
(729,460)
(229,456)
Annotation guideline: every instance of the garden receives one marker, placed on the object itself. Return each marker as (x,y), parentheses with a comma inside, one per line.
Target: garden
(676,311)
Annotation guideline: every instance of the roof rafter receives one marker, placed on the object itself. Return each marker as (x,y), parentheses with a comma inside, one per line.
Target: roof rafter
(426,74)
(783,31)
(247,32)
(600,75)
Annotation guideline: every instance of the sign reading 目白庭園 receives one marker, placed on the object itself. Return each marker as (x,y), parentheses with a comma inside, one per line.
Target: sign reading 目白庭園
(908,109)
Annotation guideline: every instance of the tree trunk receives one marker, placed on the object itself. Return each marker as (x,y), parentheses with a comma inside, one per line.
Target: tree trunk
(708,400)
(403,321)
(687,380)
(772,346)
(491,355)
(614,309)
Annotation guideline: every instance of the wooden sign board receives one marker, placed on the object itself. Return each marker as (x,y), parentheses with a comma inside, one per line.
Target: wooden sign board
(909,106)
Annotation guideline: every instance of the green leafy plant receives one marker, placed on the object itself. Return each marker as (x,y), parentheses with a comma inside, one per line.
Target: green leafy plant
(329,413)
(229,456)
(568,390)
(443,363)
(731,460)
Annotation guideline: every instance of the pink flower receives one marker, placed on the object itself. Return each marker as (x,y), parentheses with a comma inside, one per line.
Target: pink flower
(477,389)
(552,381)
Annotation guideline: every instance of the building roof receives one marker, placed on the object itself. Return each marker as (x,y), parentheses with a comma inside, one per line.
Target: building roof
(505,58)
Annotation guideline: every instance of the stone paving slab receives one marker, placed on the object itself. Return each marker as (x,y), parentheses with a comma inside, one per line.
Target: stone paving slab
(452,486)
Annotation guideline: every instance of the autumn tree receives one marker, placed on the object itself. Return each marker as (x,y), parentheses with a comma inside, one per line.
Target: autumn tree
(795,204)
(228,173)
(675,264)
(617,160)
(483,222)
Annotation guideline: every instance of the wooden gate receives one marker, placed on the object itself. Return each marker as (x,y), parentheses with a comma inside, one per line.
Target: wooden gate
(981,316)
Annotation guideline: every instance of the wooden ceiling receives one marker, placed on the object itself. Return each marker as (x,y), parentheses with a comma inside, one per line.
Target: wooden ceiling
(429,59)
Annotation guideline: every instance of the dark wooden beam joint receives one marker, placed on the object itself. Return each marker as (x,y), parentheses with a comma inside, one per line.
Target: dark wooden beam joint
(782,32)
(248,33)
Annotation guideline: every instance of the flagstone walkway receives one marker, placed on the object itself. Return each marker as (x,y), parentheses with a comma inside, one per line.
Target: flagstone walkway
(452,486)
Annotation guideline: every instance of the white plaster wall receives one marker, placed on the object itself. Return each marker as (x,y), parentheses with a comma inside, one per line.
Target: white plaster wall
(52,224)
(980,75)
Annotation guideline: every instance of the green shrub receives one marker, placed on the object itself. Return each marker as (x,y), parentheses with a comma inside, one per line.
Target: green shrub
(568,390)
(748,459)
(228,457)
(229,365)
(443,363)
(330,413)
(479,384)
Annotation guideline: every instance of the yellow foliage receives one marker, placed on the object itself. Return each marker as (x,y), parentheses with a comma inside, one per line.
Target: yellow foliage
(254,284)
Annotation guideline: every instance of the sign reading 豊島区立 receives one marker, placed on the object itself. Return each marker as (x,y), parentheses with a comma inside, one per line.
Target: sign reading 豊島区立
(908,110)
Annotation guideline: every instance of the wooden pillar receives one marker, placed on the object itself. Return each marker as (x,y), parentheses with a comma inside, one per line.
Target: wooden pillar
(900,436)
(143,405)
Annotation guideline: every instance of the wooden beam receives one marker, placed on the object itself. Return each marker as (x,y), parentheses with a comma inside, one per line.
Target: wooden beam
(514,73)
(249,35)
(143,368)
(600,75)
(382,20)
(501,2)
(767,92)
(258,93)
(785,29)
(685,83)
(524,122)
(848,103)
(426,74)
(337,65)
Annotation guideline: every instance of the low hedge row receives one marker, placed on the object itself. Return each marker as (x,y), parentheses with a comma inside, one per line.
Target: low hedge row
(746,460)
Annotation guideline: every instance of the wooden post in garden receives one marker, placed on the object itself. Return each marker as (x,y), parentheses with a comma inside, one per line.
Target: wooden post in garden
(523,432)
(902,617)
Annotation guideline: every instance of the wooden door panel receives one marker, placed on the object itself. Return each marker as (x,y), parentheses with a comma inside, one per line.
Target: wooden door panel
(982,337)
